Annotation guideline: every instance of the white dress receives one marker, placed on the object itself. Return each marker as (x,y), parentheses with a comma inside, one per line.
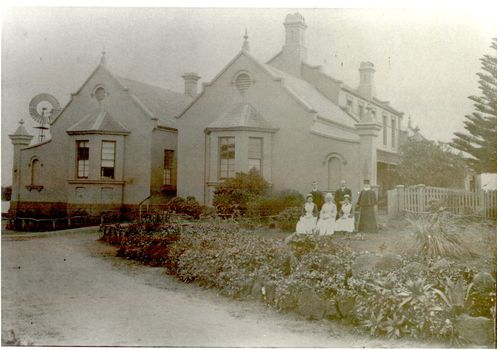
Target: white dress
(326,223)
(346,221)
(307,222)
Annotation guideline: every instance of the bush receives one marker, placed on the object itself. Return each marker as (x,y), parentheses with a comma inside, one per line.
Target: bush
(288,218)
(270,206)
(435,236)
(233,194)
(187,206)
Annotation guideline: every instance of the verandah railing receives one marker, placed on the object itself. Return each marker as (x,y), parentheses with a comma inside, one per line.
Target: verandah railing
(421,198)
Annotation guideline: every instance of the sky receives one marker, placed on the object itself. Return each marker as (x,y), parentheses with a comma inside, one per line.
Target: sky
(426,59)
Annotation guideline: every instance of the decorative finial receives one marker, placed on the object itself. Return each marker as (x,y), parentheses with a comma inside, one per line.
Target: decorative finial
(246,45)
(102,58)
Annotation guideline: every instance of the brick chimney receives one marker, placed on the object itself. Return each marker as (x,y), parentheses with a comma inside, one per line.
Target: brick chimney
(191,80)
(366,80)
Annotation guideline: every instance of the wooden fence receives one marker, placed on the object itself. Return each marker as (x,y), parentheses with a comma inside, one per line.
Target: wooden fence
(421,198)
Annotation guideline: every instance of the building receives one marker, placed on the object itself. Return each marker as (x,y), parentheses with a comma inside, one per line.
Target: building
(289,121)
(111,147)
(118,141)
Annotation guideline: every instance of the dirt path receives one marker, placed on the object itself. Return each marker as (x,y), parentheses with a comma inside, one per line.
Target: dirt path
(68,289)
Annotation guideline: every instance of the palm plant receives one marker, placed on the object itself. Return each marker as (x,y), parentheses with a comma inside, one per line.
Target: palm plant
(375,324)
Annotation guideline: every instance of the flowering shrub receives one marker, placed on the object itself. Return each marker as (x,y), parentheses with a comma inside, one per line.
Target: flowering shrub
(187,206)
(391,302)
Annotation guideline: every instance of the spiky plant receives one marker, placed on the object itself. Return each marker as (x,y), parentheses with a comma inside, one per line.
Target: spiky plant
(435,236)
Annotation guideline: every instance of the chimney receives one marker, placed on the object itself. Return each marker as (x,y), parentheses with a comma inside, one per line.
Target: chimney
(191,84)
(366,80)
(294,51)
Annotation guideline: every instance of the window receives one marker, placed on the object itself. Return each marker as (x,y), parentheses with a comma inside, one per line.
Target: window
(385,132)
(349,104)
(167,178)
(226,157)
(393,132)
(35,172)
(255,154)
(243,82)
(83,159)
(108,159)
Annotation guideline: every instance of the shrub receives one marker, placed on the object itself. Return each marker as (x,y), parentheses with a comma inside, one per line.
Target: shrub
(270,206)
(435,236)
(234,193)
(188,206)
(288,218)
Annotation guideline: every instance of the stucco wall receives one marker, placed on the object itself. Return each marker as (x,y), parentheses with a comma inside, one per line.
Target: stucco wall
(297,156)
(58,156)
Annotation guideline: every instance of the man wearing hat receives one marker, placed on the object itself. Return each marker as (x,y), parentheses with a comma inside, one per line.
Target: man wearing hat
(366,204)
(340,195)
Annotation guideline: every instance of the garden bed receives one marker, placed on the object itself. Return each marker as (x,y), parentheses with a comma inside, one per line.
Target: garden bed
(376,283)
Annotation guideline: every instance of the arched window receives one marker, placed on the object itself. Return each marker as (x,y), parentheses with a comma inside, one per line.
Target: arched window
(35,172)
(335,163)
(334,173)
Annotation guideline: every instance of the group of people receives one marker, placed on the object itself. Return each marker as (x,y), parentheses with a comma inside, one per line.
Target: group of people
(329,214)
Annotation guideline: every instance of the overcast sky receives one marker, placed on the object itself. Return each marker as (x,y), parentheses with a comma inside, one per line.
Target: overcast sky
(426,60)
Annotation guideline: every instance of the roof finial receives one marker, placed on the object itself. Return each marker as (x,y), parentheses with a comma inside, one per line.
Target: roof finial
(246,45)
(102,58)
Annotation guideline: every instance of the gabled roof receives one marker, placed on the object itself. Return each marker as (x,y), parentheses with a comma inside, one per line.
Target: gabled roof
(311,96)
(99,121)
(164,104)
(156,102)
(241,115)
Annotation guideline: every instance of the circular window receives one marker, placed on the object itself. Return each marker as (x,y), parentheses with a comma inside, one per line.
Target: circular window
(100,93)
(243,82)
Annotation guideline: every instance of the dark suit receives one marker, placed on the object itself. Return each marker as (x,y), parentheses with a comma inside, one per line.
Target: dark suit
(339,196)
(366,203)
(318,199)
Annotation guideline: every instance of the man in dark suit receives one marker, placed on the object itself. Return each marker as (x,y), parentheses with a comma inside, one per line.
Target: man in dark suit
(317,196)
(340,194)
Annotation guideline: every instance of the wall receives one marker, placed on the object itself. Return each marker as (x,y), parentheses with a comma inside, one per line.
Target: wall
(298,156)
(57,155)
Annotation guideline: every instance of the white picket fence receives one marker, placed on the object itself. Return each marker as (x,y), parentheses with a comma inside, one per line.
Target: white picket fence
(421,198)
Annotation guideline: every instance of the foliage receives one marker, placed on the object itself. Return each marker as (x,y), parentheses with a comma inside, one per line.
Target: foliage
(233,194)
(456,295)
(394,304)
(288,218)
(480,141)
(435,237)
(274,204)
(6,193)
(188,206)
(430,163)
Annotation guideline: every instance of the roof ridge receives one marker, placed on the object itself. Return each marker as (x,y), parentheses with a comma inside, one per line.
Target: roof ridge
(148,84)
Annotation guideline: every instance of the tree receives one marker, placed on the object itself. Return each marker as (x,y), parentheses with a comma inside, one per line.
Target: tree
(430,163)
(481,142)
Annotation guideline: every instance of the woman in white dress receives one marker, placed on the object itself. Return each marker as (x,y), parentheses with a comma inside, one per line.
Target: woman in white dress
(307,222)
(326,223)
(345,220)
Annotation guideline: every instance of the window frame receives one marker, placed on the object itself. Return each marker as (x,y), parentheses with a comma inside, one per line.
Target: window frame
(394,133)
(261,156)
(385,131)
(113,142)
(168,168)
(230,161)
(86,162)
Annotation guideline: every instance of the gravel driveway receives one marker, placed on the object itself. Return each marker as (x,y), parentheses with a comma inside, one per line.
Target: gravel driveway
(66,288)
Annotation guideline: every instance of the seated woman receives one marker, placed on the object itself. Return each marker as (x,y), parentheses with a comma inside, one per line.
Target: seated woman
(307,222)
(345,221)
(326,223)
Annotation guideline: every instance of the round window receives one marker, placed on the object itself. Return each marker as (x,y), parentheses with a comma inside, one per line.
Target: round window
(243,82)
